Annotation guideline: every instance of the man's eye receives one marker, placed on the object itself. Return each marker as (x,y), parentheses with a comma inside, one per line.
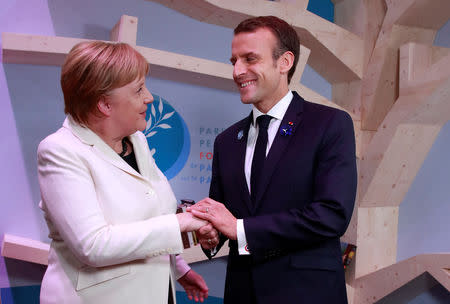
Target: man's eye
(139,90)
(250,59)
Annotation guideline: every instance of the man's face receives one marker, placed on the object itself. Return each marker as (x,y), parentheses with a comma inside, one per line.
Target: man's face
(255,72)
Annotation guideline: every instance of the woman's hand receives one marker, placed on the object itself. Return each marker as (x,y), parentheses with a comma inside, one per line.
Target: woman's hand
(189,222)
(194,285)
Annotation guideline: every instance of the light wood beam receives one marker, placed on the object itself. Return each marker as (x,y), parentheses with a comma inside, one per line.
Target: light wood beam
(34,49)
(426,14)
(299,4)
(376,239)
(125,30)
(374,286)
(399,148)
(337,54)
(33,251)
(50,50)
(301,64)
(363,18)
(380,86)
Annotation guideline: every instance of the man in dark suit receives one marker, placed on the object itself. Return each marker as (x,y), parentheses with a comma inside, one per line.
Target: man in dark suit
(283,180)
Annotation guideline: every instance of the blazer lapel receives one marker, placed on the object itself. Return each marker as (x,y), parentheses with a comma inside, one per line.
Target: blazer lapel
(88,137)
(240,142)
(141,153)
(280,144)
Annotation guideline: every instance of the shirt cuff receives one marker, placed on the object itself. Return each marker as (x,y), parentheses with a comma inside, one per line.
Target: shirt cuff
(241,239)
(181,267)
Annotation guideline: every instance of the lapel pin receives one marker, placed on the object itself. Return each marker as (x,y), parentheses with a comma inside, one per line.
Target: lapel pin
(286,129)
(240,135)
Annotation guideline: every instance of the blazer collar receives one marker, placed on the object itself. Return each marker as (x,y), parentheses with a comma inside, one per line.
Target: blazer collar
(88,137)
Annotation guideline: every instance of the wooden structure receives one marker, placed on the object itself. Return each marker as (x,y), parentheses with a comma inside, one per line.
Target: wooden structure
(385,73)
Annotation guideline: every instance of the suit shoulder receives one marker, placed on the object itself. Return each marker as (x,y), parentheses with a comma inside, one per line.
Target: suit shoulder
(325,111)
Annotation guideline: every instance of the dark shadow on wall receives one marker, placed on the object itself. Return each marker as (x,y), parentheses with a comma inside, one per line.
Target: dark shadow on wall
(422,290)
(20,295)
(81,19)
(21,273)
(26,280)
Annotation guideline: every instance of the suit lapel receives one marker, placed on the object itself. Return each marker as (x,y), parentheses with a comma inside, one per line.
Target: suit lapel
(280,144)
(240,142)
(99,147)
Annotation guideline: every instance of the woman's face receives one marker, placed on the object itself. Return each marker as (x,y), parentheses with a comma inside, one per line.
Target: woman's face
(129,106)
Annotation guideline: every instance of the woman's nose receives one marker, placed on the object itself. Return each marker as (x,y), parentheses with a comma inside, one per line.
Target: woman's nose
(149,98)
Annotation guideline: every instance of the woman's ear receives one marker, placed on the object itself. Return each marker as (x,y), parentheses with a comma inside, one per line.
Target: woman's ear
(104,106)
(286,61)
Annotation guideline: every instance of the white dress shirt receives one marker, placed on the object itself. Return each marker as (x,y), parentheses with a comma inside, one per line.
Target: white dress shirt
(277,112)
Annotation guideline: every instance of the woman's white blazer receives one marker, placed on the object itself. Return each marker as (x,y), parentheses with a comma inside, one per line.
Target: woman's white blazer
(114,231)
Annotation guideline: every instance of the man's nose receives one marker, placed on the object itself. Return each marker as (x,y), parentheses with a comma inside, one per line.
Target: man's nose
(239,69)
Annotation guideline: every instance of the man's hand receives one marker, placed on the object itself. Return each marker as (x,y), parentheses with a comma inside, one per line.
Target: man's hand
(217,214)
(208,236)
(194,285)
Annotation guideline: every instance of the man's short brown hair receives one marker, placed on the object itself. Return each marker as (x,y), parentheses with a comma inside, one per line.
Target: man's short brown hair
(94,68)
(287,38)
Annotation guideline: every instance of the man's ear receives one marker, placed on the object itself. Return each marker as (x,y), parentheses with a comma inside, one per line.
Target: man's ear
(286,61)
(103,106)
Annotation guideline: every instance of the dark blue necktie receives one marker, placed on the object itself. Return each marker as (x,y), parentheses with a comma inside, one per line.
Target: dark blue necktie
(259,156)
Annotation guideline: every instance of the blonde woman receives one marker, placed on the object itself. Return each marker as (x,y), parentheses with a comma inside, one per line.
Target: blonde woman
(109,209)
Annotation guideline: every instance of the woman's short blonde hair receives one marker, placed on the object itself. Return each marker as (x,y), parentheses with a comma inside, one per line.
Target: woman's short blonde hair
(94,68)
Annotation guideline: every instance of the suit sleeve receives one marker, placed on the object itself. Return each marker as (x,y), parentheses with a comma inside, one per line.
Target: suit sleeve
(216,193)
(328,214)
(72,210)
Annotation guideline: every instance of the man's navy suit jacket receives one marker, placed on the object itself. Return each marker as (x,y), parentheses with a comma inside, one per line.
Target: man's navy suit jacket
(303,206)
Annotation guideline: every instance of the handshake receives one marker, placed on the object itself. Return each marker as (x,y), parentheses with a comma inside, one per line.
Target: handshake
(206,218)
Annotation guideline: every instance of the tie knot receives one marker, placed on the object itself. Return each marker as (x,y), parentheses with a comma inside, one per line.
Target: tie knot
(263,121)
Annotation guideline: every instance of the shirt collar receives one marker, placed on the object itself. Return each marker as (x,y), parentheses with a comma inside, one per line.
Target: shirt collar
(277,111)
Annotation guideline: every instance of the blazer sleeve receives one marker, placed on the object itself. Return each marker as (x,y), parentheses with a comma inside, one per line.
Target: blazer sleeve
(72,210)
(328,214)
